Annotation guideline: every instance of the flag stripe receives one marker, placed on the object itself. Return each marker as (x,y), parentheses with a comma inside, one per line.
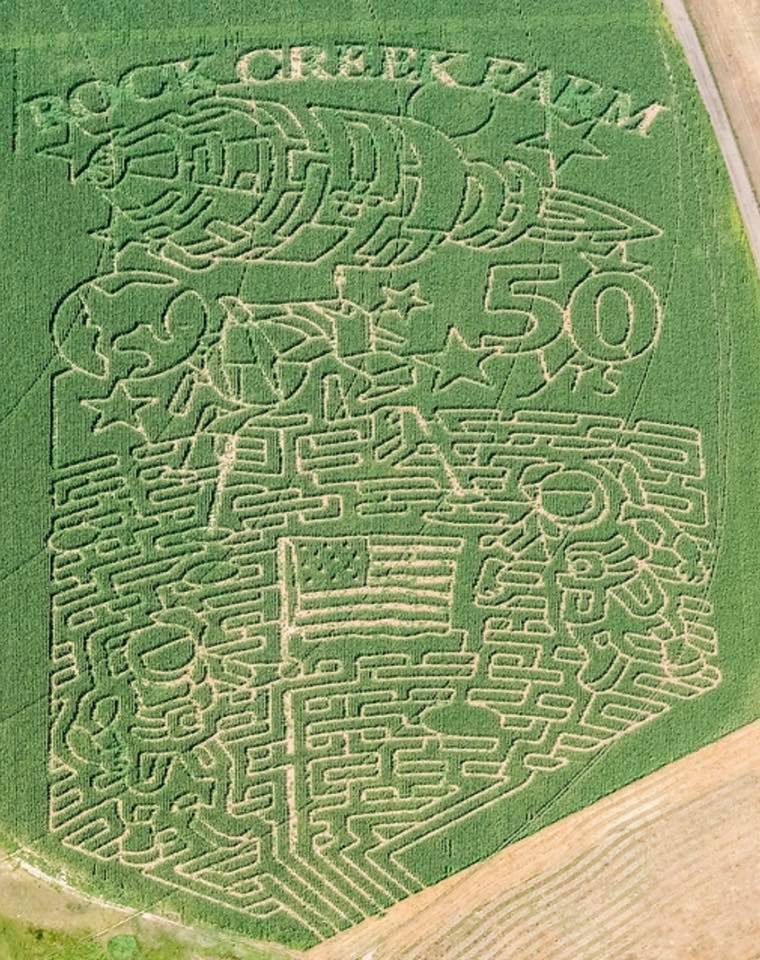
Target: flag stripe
(408,587)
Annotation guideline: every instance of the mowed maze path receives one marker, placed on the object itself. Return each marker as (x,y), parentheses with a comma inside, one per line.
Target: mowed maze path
(665,869)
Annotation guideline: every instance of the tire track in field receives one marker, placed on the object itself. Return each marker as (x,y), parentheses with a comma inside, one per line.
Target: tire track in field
(724,133)
(663,869)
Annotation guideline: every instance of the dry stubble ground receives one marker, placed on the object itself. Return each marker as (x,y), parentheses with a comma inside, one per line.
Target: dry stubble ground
(729,31)
(665,869)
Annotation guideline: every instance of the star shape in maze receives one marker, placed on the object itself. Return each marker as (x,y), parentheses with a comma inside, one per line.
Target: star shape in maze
(563,140)
(117,409)
(458,361)
(78,149)
(119,231)
(331,564)
(394,313)
(404,300)
(615,261)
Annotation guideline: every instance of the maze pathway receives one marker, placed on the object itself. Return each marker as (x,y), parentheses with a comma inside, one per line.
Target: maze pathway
(394,493)
(666,868)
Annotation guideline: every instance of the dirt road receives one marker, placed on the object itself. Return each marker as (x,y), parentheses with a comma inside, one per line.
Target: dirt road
(665,869)
(30,898)
(730,30)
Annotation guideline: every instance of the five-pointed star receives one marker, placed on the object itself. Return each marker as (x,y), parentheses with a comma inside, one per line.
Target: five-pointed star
(458,361)
(119,230)
(615,261)
(405,300)
(564,140)
(78,149)
(118,408)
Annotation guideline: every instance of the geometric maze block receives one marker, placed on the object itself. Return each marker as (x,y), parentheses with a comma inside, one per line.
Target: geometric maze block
(267,716)
(353,534)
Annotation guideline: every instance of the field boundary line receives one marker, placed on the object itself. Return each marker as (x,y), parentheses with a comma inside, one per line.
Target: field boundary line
(687,36)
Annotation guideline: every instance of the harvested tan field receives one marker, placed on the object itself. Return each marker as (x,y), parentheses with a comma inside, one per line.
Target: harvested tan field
(721,42)
(394,458)
(729,31)
(665,869)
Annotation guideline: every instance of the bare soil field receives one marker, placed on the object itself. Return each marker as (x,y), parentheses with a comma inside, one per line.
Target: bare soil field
(721,42)
(730,35)
(665,869)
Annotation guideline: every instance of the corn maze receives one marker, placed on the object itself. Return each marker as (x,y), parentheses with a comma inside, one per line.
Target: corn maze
(377,507)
